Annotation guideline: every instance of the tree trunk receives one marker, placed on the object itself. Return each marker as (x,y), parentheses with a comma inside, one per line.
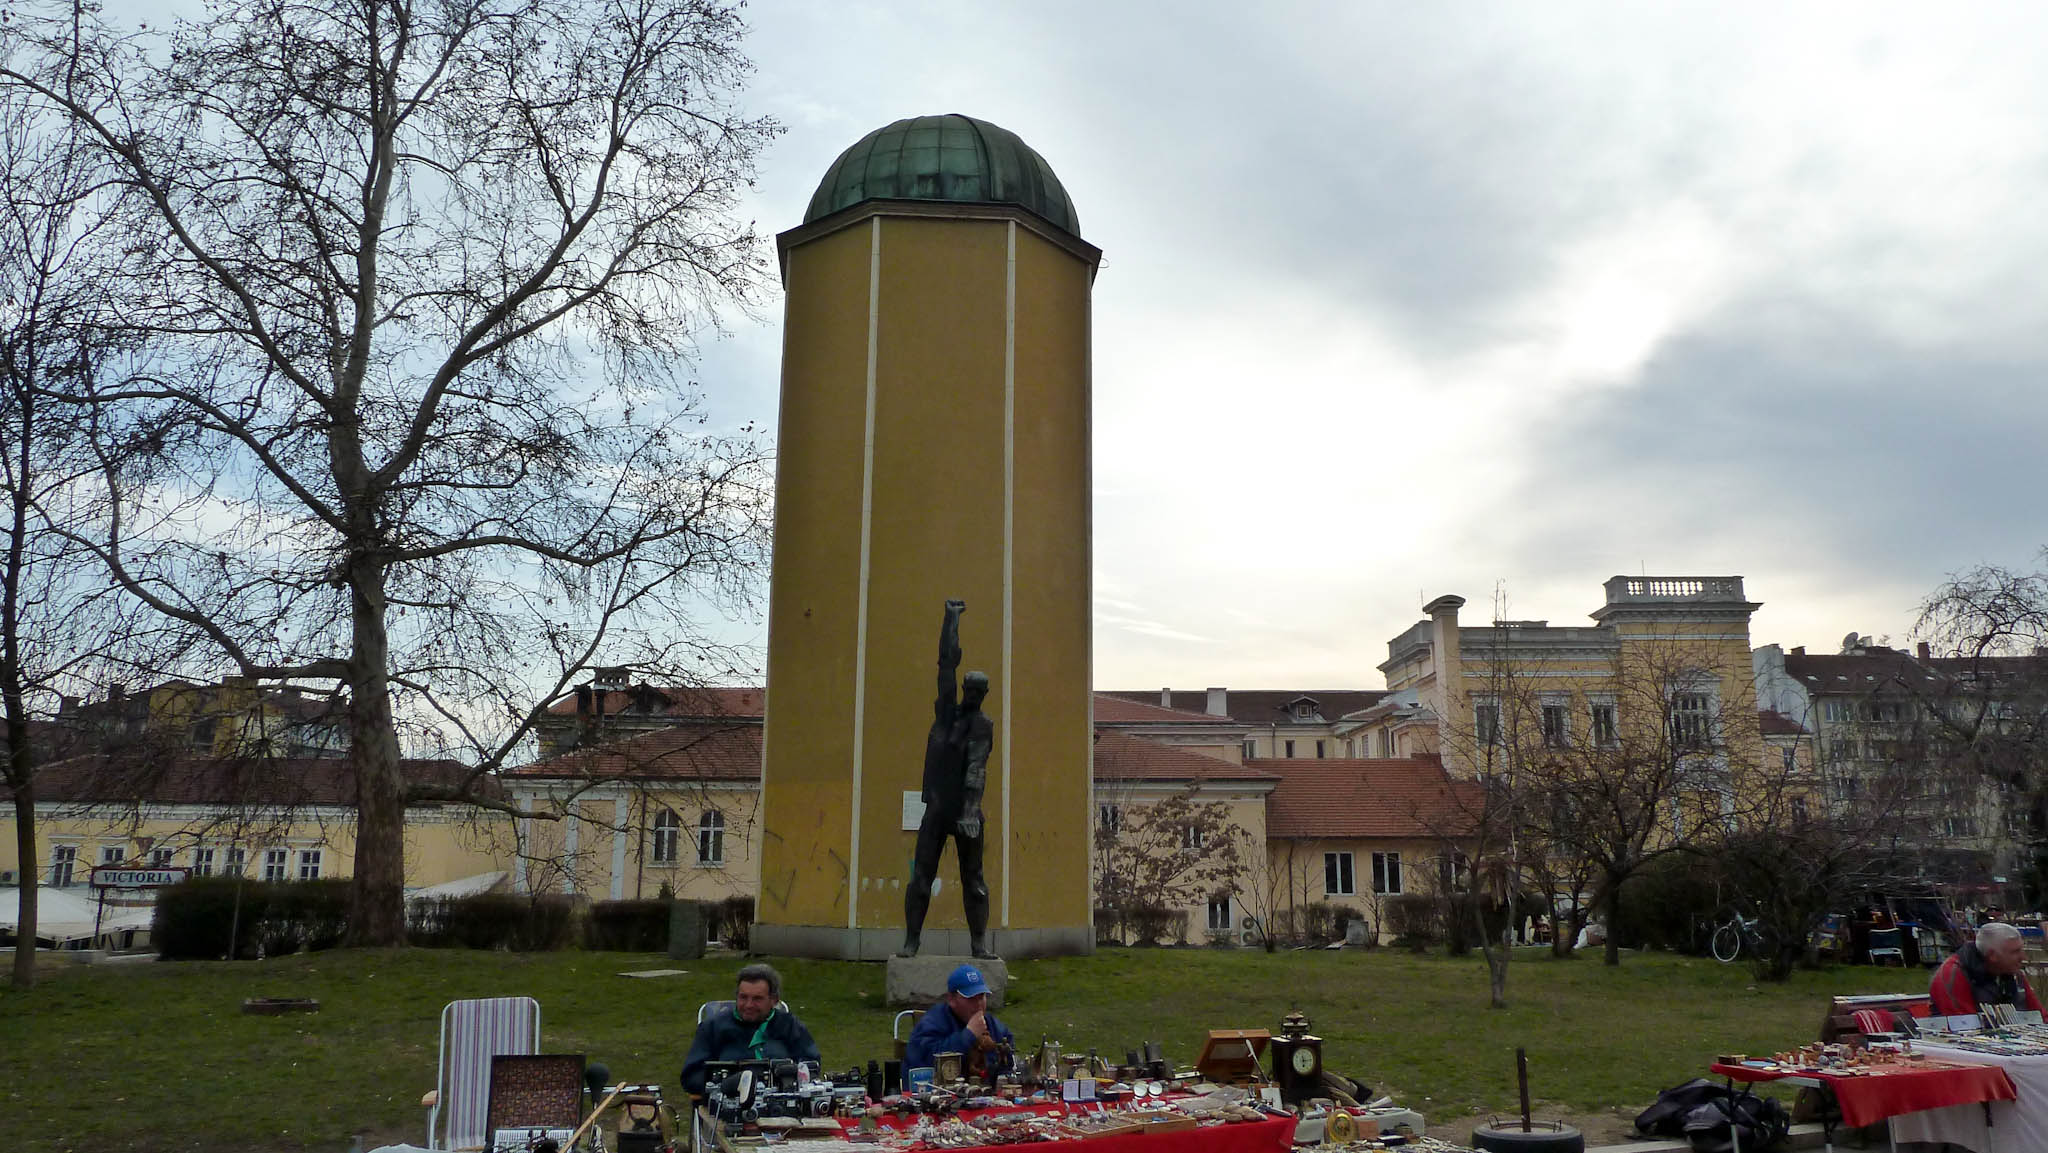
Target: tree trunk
(1496,952)
(377,886)
(30,870)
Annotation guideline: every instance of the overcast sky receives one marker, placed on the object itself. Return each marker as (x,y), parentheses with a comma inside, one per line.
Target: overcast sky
(1401,300)
(1499,300)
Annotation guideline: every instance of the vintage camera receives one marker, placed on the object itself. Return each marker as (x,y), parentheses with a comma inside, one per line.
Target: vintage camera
(733,1091)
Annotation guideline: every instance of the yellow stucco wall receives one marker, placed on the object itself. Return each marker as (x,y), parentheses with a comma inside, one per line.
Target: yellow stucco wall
(850,699)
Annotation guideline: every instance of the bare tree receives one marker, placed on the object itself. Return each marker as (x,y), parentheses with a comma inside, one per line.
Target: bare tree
(1157,855)
(424,276)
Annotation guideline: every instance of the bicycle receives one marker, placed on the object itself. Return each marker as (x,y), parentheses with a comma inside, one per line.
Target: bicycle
(1735,934)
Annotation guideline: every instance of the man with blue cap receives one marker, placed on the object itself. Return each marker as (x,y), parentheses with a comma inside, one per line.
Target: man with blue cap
(959,1023)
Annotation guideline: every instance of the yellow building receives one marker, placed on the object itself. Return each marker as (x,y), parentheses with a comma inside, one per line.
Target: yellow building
(268,819)
(234,718)
(933,443)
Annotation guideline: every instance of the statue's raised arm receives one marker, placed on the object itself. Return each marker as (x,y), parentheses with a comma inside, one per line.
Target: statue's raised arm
(946,704)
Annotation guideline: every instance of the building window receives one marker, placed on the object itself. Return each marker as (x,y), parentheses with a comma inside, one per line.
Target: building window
(162,858)
(202,862)
(1837,710)
(1192,837)
(1109,817)
(1386,742)
(1290,750)
(1799,810)
(711,838)
(1219,914)
(1337,878)
(1350,747)
(309,864)
(275,864)
(238,862)
(1486,723)
(1690,726)
(1251,750)
(1319,750)
(112,854)
(1604,732)
(1386,872)
(668,836)
(1304,711)
(1556,728)
(63,863)
(1791,758)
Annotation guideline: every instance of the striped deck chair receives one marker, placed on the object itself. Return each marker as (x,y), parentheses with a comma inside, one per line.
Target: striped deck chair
(1873,1021)
(473,1032)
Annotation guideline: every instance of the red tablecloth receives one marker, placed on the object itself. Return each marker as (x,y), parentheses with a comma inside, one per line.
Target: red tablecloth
(1269,1135)
(1867,1098)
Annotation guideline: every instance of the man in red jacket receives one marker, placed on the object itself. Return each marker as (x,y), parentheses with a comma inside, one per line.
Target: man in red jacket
(1985,972)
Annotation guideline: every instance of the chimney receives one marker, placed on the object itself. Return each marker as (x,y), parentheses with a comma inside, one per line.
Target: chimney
(1798,650)
(582,700)
(69,705)
(1925,652)
(1443,646)
(116,693)
(1219,703)
(1165,698)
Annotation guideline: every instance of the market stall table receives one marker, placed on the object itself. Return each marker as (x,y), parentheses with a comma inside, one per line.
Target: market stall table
(2017,1124)
(1269,1134)
(1883,1092)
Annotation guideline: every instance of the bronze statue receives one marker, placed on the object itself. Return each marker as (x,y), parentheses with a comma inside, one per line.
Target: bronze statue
(955,771)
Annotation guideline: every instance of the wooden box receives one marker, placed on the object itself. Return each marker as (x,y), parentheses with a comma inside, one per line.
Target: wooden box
(1231,1056)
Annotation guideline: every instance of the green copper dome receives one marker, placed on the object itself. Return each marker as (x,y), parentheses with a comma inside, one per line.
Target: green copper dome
(952,157)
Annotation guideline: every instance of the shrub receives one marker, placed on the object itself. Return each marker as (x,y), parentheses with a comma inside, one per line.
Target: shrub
(1666,904)
(731,921)
(1414,920)
(627,926)
(193,918)
(524,923)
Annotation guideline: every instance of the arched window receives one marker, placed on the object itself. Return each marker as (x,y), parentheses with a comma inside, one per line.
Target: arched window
(711,838)
(668,832)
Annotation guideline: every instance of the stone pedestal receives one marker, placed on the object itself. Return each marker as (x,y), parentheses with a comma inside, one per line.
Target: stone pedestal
(919,982)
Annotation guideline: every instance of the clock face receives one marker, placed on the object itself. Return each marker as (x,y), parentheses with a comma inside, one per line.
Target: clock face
(1304,1061)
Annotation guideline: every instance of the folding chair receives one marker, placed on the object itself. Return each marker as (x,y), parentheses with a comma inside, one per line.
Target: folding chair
(1888,943)
(473,1032)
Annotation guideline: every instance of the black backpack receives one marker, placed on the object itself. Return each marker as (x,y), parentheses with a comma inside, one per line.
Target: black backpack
(1667,1117)
(1762,1123)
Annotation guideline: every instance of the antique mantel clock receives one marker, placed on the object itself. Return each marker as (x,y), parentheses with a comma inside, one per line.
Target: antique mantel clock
(1298,1061)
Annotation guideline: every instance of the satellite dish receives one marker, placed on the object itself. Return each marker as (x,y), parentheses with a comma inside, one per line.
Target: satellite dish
(1850,642)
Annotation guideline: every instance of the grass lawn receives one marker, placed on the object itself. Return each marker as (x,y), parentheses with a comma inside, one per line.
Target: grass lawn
(160,1056)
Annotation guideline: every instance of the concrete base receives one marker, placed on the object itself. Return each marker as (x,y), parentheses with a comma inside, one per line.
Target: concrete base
(838,943)
(921,980)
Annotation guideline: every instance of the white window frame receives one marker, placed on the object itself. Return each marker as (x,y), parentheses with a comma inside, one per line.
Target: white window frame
(63,866)
(237,862)
(277,864)
(1223,903)
(711,836)
(665,840)
(309,864)
(1109,816)
(1193,837)
(1387,876)
(1486,727)
(1340,879)
(162,858)
(203,858)
(1559,737)
(113,854)
(1603,735)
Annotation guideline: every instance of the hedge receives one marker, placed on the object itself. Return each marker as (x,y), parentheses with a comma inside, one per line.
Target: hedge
(194,918)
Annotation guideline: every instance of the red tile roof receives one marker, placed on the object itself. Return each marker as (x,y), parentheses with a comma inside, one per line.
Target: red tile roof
(695,751)
(1777,724)
(182,780)
(1263,706)
(1111,709)
(1409,797)
(672,701)
(1122,757)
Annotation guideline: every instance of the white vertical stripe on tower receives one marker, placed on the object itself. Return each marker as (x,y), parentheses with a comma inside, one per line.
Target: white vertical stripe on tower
(571,846)
(860,629)
(1009,528)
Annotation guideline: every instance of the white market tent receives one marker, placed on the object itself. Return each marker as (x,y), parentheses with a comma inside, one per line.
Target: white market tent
(63,916)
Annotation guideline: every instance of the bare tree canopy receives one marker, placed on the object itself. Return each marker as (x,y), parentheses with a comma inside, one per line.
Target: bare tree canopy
(420,277)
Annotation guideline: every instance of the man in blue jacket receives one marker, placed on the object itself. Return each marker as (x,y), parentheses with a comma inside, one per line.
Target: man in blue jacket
(959,1023)
(754,1029)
